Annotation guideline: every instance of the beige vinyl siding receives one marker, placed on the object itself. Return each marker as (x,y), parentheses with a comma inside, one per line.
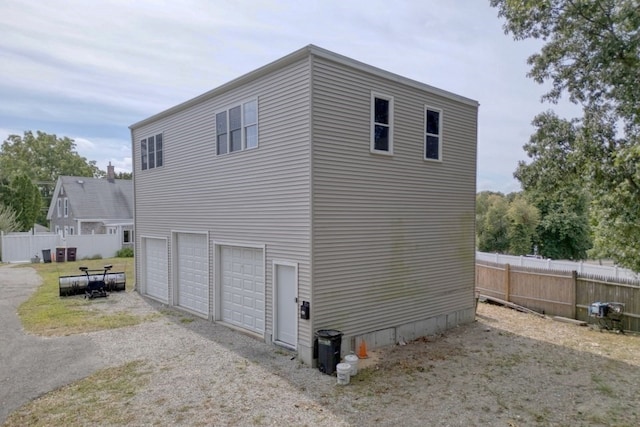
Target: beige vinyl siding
(259,196)
(393,236)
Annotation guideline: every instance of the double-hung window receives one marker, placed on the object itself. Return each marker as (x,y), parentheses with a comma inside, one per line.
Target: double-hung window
(151,152)
(433,134)
(381,124)
(66,207)
(237,128)
(59,208)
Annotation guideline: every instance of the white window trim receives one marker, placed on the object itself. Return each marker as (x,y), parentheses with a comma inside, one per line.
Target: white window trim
(389,98)
(59,208)
(71,231)
(439,135)
(243,127)
(145,140)
(66,207)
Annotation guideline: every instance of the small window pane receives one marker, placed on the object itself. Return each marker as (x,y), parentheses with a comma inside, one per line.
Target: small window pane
(432,148)
(152,152)
(433,122)
(236,140)
(250,112)
(381,138)
(158,150)
(143,154)
(381,111)
(222,144)
(251,136)
(235,118)
(221,123)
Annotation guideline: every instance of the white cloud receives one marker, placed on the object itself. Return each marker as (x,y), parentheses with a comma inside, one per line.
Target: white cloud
(75,67)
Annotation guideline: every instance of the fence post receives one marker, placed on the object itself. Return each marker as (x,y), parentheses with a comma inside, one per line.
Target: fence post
(507,281)
(574,294)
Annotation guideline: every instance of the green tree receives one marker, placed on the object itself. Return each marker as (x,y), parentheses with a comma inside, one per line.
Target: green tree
(8,221)
(492,223)
(591,53)
(124,175)
(23,197)
(42,158)
(552,182)
(523,220)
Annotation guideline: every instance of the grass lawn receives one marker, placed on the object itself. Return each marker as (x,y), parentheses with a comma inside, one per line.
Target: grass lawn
(46,313)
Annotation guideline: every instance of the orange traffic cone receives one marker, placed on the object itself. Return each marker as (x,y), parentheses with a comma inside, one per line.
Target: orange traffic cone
(362,350)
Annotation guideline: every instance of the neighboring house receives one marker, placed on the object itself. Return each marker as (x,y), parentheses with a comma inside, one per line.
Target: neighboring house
(316,180)
(82,205)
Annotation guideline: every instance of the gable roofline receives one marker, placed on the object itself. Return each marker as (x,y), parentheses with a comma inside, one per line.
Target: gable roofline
(309,50)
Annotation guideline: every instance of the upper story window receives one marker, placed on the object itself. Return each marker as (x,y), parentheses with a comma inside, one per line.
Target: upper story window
(66,207)
(433,134)
(59,208)
(237,128)
(151,152)
(381,124)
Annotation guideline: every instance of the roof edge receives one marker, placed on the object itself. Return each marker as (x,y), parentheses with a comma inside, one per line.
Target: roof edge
(293,57)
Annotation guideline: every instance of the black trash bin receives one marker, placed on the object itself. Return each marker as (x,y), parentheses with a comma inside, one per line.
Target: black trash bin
(329,342)
(60,254)
(71,254)
(46,255)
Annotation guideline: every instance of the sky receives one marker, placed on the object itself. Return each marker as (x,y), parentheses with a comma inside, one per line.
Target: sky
(89,69)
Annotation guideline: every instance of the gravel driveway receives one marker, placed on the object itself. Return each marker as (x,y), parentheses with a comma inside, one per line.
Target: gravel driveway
(506,369)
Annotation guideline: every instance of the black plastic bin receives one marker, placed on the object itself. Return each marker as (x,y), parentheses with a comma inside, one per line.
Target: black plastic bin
(60,254)
(71,254)
(46,255)
(329,343)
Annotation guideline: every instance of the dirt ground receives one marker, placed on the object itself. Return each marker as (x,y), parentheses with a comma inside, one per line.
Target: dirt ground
(508,369)
(505,369)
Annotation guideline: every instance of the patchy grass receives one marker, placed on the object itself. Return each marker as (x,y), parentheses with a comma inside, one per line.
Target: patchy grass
(46,313)
(103,398)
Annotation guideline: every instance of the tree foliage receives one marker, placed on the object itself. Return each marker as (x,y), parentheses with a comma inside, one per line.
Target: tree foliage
(523,221)
(8,221)
(552,183)
(591,53)
(41,158)
(23,197)
(505,224)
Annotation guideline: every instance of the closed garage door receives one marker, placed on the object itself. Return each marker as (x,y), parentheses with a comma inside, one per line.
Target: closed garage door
(193,272)
(155,267)
(243,287)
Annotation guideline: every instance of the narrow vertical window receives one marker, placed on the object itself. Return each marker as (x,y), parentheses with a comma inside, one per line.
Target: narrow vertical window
(151,147)
(59,209)
(251,124)
(433,134)
(143,154)
(158,150)
(66,207)
(381,124)
(221,132)
(235,129)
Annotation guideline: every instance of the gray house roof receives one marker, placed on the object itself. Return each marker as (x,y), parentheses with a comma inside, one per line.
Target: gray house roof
(95,198)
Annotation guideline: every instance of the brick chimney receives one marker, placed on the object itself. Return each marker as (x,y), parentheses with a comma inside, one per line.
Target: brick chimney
(111,174)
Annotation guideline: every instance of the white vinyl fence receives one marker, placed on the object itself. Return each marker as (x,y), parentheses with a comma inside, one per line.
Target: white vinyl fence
(613,272)
(23,247)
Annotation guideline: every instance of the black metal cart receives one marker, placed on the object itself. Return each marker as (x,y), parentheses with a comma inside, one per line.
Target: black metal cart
(96,285)
(608,315)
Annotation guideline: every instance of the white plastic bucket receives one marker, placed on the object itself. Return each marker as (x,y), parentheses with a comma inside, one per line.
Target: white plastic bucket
(352,360)
(344,373)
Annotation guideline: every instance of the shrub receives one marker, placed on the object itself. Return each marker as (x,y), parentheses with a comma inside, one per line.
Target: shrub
(125,253)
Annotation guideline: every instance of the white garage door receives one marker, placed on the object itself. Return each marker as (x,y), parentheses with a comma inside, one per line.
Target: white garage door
(155,268)
(243,287)
(193,272)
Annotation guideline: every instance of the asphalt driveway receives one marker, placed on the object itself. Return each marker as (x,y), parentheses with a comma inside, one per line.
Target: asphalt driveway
(31,366)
